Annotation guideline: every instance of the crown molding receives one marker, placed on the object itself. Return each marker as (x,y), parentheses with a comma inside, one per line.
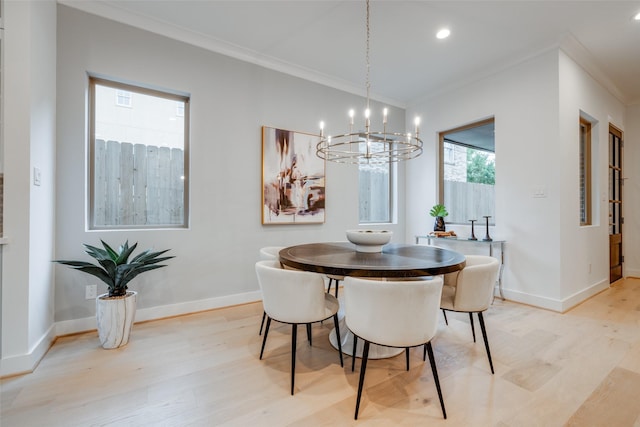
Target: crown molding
(482,75)
(578,53)
(570,46)
(119,14)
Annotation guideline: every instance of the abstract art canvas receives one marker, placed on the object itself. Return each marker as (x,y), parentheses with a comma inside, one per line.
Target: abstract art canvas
(293,178)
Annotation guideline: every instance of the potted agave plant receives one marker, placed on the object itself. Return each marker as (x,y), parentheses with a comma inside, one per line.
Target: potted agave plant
(115,310)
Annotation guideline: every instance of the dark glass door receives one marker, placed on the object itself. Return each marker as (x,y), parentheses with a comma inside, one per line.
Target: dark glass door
(616,220)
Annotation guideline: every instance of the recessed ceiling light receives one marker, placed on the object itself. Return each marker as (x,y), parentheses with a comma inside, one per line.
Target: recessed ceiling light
(443,33)
(637,17)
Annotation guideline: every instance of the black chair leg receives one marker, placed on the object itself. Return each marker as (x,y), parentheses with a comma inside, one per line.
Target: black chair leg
(473,329)
(486,342)
(424,353)
(434,370)
(445,317)
(309,334)
(294,333)
(363,368)
(337,286)
(406,351)
(329,287)
(264,315)
(353,360)
(264,339)
(336,324)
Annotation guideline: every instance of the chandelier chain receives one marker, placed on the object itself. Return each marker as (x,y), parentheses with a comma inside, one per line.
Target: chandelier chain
(368,82)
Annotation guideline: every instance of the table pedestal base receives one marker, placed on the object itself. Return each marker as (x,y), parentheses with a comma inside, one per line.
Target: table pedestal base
(375,351)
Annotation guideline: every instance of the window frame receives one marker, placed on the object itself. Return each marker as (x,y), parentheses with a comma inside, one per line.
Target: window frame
(94,80)
(441,158)
(585,168)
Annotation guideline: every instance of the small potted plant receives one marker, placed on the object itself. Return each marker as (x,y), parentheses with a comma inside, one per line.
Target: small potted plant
(439,212)
(115,310)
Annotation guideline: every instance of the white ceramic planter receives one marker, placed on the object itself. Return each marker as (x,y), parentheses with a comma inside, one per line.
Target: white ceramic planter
(115,317)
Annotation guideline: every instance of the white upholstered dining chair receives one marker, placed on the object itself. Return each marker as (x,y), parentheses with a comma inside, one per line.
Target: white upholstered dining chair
(401,314)
(470,290)
(295,297)
(268,253)
(334,279)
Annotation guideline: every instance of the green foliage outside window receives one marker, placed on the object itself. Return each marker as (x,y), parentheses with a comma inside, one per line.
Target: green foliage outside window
(481,167)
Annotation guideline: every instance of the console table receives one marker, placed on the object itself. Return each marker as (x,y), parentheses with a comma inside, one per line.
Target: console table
(435,241)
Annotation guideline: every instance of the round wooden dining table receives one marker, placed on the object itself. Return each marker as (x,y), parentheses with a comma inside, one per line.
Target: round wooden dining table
(393,262)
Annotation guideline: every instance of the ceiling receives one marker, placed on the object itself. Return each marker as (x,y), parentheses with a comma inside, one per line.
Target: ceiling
(324,40)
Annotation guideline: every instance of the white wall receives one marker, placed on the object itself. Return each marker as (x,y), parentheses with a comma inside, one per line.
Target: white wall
(631,195)
(230,101)
(27,285)
(536,108)
(585,250)
(524,102)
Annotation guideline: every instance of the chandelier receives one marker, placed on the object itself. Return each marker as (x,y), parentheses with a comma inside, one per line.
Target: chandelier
(367,146)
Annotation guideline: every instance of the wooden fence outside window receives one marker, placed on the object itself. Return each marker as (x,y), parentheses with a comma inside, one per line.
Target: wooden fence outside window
(136,184)
(469,200)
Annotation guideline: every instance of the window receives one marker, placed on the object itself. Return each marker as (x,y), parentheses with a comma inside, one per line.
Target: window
(467,172)
(123,98)
(585,171)
(375,192)
(138,157)
(449,154)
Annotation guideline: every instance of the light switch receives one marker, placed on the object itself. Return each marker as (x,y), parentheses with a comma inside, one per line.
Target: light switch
(37,176)
(539,191)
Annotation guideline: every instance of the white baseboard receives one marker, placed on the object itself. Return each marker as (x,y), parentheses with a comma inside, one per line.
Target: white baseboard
(534,300)
(74,326)
(555,304)
(26,363)
(631,272)
(578,297)
(66,327)
(159,312)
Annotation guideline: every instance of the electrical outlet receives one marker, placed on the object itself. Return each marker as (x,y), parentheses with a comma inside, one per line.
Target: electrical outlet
(91,292)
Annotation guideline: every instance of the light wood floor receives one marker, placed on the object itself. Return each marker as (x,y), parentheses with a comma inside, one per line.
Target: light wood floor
(580,368)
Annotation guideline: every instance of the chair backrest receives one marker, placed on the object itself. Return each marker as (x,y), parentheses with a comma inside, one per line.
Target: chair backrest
(475,283)
(270,252)
(291,296)
(393,313)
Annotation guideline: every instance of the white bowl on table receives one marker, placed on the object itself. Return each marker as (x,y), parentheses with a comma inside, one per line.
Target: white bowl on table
(369,240)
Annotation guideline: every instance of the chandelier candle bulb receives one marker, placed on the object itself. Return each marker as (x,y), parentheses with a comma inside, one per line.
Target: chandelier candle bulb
(384,116)
(351,114)
(321,129)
